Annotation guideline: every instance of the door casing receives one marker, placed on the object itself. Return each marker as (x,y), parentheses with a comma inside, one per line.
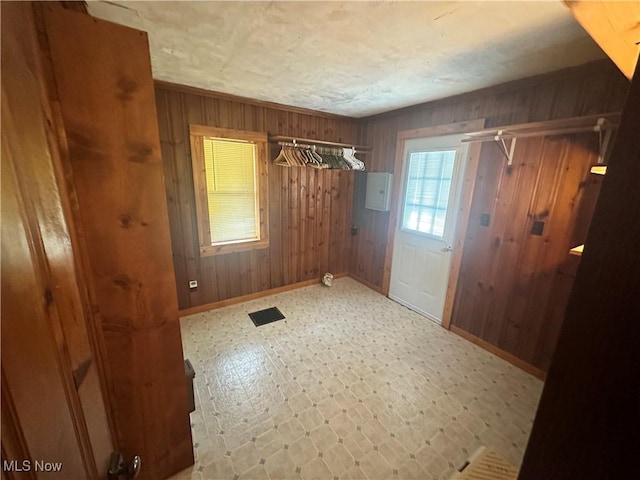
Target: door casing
(468,183)
(429,250)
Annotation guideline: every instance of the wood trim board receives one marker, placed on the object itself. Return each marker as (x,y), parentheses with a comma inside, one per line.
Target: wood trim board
(253,296)
(468,186)
(502,88)
(294,286)
(489,347)
(367,283)
(249,101)
(614,26)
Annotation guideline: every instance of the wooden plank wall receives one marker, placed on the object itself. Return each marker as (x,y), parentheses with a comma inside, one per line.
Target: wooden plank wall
(506,290)
(309,210)
(594,88)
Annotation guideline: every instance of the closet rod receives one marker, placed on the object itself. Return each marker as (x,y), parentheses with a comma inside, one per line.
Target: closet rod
(561,126)
(308,141)
(506,134)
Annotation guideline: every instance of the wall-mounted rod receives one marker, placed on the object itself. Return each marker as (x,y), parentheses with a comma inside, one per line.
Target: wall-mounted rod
(602,124)
(562,126)
(311,142)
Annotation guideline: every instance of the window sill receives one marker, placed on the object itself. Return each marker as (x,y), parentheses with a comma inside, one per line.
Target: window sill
(210,250)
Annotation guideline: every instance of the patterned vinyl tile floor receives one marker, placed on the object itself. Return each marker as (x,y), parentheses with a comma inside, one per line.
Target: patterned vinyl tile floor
(351,385)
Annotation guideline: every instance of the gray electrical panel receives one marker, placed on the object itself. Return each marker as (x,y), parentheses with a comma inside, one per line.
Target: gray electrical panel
(378,195)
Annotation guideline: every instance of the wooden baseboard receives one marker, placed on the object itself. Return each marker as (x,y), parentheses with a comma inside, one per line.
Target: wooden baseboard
(527,367)
(366,283)
(252,296)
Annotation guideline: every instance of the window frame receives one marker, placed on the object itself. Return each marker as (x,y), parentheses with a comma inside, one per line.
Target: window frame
(197,133)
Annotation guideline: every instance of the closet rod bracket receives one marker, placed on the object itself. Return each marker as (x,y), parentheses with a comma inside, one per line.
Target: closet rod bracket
(507,152)
(603,139)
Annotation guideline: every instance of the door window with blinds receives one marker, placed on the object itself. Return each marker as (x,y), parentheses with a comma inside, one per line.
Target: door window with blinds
(429,176)
(230,180)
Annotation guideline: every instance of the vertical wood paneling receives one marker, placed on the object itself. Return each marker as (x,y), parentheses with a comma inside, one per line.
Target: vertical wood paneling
(506,286)
(172,192)
(293,194)
(275,252)
(326,219)
(506,289)
(309,210)
(311,265)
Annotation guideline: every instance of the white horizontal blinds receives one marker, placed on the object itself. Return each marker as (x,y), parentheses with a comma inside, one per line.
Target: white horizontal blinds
(428,188)
(232,197)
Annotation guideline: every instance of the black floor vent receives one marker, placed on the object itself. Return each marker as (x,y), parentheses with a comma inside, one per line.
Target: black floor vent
(268,315)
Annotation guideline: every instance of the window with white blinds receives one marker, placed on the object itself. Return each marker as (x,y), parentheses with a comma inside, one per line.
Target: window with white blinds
(232,197)
(428,190)
(229,173)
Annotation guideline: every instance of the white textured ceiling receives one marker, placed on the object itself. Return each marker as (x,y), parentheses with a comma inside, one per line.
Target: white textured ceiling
(353,58)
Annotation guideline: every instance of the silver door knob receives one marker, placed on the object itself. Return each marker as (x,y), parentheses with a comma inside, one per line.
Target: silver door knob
(448,248)
(118,468)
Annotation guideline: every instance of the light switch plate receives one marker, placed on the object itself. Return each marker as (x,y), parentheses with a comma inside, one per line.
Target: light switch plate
(537,228)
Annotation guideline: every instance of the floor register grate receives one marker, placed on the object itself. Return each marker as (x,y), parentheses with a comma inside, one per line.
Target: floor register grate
(268,315)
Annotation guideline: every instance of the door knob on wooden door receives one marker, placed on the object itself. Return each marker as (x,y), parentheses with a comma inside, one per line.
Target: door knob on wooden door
(119,470)
(448,248)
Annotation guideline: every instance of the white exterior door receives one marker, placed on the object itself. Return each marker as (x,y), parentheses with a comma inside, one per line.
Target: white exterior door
(432,174)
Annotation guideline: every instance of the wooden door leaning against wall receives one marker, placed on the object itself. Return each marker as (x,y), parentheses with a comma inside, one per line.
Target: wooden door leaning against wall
(100,77)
